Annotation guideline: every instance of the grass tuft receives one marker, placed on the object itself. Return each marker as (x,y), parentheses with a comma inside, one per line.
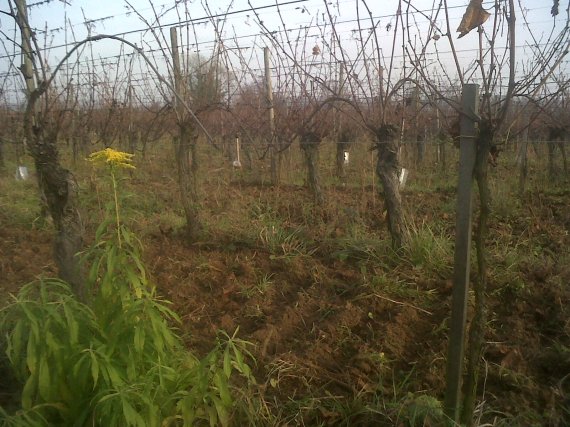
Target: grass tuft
(429,251)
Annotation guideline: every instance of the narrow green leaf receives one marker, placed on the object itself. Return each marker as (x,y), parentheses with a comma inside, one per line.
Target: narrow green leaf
(76,371)
(131,368)
(72,324)
(102,229)
(111,260)
(32,318)
(114,376)
(43,292)
(94,271)
(186,406)
(227,362)
(139,339)
(239,357)
(223,389)
(167,312)
(15,351)
(126,235)
(212,416)
(31,354)
(94,368)
(55,309)
(29,392)
(222,413)
(52,344)
(131,414)
(134,281)
(44,382)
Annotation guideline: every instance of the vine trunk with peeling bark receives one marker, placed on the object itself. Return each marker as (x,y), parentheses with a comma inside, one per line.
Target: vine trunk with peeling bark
(387,170)
(309,143)
(56,183)
(187,166)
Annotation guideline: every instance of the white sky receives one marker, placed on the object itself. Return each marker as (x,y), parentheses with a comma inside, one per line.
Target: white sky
(74,21)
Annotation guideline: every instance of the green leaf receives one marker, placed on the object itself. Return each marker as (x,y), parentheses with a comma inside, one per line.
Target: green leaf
(240,363)
(186,406)
(139,339)
(44,383)
(15,351)
(94,271)
(31,354)
(227,362)
(167,312)
(111,260)
(114,376)
(102,229)
(43,293)
(223,389)
(126,235)
(135,282)
(239,357)
(29,392)
(53,345)
(55,310)
(140,266)
(132,417)
(131,367)
(32,319)
(212,416)
(72,324)
(77,367)
(222,413)
(94,368)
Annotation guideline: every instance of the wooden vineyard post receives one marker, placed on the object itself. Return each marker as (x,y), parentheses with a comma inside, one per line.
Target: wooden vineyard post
(177,70)
(185,147)
(467,154)
(273,149)
(341,145)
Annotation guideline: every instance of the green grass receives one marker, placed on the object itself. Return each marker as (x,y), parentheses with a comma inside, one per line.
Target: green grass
(281,240)
(429,251)
(360,248)
(348,232)
(20,201)
(401,290)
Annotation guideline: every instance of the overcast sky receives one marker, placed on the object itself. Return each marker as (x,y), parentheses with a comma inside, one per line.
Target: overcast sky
(239,26)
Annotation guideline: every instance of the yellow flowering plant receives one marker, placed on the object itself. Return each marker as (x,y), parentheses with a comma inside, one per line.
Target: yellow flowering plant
(118,260)
(114,160)
(116,360)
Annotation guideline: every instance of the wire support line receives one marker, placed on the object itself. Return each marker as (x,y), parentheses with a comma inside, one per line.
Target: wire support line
(209,18)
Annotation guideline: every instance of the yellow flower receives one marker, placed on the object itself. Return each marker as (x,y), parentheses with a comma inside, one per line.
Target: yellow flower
(113,158)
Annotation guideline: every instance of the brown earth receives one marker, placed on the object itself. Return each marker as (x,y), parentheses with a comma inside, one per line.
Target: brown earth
(319,325)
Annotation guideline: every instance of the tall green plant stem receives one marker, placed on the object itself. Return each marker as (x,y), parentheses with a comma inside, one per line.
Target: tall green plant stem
(116,197)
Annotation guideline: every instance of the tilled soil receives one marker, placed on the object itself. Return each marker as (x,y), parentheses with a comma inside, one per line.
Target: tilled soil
(319,326)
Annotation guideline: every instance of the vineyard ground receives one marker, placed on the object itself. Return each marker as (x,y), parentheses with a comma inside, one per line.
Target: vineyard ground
(345,331)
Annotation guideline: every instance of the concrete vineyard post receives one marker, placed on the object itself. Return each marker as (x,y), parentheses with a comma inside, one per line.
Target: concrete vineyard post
(467,155)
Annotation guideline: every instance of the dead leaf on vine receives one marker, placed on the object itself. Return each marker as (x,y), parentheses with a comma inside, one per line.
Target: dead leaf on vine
(555,5)
(474,16)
